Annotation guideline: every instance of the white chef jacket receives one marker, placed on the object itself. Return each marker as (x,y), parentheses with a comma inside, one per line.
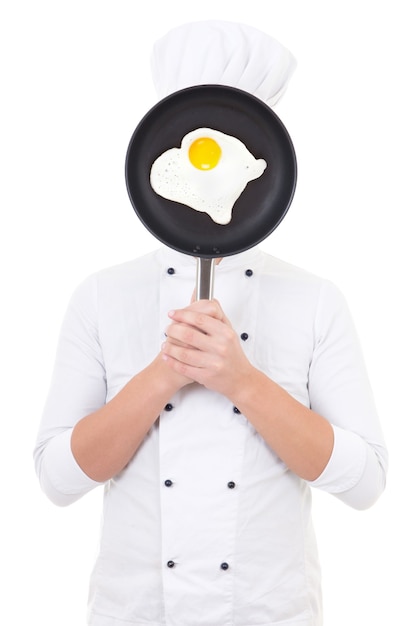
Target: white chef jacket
(206,526)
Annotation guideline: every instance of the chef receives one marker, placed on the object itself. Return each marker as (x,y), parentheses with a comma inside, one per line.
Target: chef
(209,423)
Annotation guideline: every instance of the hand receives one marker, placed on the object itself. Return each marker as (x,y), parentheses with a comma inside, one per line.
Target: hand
(201,345)
(170,375)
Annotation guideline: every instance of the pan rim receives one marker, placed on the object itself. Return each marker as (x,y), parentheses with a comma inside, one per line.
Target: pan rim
(221,107)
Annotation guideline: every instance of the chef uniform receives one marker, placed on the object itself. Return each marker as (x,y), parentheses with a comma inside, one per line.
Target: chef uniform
(206,526)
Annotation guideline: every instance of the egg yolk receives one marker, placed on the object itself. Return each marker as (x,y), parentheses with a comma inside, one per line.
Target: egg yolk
(204,153)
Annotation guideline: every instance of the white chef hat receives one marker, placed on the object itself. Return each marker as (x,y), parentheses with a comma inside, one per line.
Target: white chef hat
(222,53)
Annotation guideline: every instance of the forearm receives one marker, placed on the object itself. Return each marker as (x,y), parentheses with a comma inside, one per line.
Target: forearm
(104,441)
(299,436)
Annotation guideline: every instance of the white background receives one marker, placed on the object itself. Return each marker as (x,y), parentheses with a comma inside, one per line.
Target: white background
(75,81)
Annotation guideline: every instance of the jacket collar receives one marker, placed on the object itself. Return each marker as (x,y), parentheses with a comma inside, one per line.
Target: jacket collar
(169,257)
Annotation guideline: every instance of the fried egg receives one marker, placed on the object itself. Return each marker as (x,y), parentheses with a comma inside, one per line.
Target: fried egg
(208,173)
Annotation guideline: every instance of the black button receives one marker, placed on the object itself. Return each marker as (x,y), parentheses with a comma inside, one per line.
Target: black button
(236,410)
(224,566)
(231,484)
(170,564)
(168,483)
(171,270)
(249,272)
(244,336)
(169,407)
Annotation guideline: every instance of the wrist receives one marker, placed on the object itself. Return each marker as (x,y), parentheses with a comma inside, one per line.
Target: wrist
(164,379)
(246,388)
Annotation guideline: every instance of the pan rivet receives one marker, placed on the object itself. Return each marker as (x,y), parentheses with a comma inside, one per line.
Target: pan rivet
(249,272)
(171,270)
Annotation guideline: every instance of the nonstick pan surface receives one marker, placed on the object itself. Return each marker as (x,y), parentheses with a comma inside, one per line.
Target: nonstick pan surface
(263,203)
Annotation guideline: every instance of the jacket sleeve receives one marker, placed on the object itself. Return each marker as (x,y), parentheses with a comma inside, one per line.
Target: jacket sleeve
(340,390)
(78,387)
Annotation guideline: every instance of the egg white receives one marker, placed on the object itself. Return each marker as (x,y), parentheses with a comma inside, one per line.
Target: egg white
(212,191)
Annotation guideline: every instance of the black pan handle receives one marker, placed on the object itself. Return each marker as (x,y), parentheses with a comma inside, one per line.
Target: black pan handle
(205,279)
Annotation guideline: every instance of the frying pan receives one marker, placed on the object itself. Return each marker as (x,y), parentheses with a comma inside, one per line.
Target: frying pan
(261,206)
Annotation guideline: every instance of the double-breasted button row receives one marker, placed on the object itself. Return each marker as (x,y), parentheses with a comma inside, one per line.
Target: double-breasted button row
(224,566)
(169,483)
(169,407)
(248,272)
(171,270)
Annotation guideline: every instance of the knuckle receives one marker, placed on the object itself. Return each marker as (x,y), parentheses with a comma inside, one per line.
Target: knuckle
(214,307)
(218,367)
(229,334)
(182,354)
(182,369)
(217,309)
(188,335)
(200,320)
(222,349)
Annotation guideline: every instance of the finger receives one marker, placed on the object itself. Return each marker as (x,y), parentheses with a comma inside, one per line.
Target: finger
(185,355)
(211,308)
(187,335)
(176,341)
(200,321)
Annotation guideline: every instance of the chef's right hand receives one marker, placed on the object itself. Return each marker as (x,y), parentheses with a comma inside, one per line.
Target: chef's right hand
(177,380)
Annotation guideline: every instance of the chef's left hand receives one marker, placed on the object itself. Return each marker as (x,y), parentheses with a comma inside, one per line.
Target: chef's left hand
(202,345)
